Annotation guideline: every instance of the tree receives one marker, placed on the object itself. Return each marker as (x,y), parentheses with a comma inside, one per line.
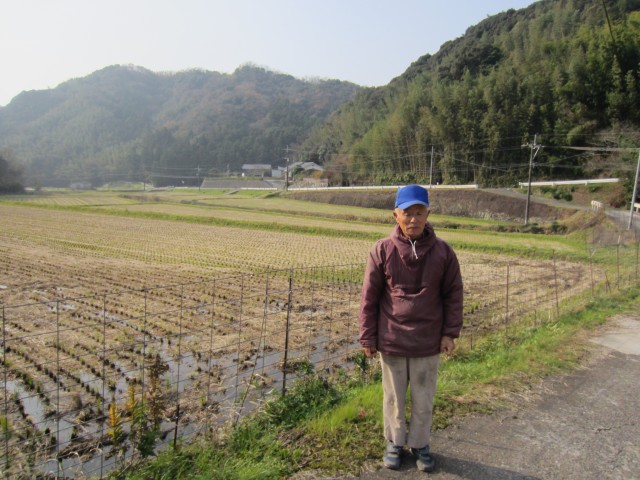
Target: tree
(10,177)
(551,69)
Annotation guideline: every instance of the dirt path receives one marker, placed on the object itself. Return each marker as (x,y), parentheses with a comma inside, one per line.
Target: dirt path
(584,425)
(620,216)
(522,195)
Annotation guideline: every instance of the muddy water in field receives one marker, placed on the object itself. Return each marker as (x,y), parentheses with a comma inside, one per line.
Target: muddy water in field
(209,391)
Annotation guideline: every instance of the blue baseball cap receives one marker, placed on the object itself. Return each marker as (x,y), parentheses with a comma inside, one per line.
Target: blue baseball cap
(412,195)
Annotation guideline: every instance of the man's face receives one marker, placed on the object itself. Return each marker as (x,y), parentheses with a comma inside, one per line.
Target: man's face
(412,220)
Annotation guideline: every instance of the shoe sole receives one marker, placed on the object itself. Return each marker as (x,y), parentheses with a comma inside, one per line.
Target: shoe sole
(426,469)
(392,466)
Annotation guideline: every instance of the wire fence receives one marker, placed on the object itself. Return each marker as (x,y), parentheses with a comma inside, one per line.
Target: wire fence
(87,379)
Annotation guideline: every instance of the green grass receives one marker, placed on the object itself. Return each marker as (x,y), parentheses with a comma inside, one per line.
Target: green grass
(258,201)
(261,447)
(250,201)
(336,427)
(257,210)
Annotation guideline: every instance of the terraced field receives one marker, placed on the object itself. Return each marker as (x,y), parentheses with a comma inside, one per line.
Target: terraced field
(98,292)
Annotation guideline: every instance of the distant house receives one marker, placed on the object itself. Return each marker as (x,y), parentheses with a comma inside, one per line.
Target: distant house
(256,170)
(278,172)
(307,167)
(80,186)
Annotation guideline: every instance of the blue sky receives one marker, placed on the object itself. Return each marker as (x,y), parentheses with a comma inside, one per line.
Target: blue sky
(46,42)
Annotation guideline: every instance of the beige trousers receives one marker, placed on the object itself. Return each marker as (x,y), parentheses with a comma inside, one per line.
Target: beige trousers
(398,374)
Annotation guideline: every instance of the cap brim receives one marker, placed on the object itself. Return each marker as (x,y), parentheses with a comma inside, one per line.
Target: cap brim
(405,205)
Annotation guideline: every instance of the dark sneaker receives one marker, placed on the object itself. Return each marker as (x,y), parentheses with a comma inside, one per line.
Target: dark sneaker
(392,456)
(424,460)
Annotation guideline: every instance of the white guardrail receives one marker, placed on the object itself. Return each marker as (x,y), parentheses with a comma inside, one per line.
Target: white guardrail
(552,183)
(372,187)
(388,187)
(555,183)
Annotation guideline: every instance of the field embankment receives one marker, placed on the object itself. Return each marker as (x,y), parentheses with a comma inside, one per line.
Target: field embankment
(463,203)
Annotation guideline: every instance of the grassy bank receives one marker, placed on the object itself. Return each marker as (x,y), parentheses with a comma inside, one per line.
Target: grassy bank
(335,426)
(475,239)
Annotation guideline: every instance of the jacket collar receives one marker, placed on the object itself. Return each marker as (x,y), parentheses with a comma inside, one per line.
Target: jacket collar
(406,246)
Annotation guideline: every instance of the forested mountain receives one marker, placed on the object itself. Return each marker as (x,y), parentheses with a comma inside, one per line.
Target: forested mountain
(562,72)
(126,122)
(557,69)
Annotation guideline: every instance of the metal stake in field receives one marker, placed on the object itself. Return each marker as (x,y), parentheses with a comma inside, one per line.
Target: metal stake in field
(175,431)
(104,380)
(635,192)
(286,338)
(58,387)
(5,426)
(506,315)
(210,356)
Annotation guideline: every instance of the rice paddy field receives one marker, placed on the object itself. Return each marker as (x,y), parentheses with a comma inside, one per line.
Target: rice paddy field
(199,304)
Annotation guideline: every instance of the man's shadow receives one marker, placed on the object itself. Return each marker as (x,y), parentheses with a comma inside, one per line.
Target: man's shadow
(467,469)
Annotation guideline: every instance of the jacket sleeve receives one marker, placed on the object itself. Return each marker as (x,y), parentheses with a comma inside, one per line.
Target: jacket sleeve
(373,285)
(452,296)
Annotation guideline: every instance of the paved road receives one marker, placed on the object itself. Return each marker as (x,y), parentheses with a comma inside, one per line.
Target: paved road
(584,425)
(622,218)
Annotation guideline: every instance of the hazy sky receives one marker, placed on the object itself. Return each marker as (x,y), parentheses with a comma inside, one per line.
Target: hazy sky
(46,42)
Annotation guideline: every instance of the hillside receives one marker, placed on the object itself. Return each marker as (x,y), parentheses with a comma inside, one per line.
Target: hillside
(554,70)
(562,73)
(126,122)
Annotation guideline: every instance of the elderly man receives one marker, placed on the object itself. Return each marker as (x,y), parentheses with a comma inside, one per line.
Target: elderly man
(411,311)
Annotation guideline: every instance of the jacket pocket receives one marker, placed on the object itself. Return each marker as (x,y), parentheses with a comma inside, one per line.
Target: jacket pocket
(407,301)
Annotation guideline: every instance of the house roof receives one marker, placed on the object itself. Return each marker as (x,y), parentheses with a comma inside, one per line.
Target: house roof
(311,166)
(256,166)
(306,166)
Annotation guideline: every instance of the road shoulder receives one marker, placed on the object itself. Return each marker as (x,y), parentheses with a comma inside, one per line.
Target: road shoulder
(579,425)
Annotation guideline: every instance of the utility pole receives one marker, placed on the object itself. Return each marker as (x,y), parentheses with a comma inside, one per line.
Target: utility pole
(635,192)
(537,148)
(286,176)
(431,169)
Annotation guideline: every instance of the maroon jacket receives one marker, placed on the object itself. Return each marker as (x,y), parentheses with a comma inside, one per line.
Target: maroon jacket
(408,304)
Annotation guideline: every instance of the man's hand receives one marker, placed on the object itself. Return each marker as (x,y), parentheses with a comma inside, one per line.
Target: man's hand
(447,345)
(369,351)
